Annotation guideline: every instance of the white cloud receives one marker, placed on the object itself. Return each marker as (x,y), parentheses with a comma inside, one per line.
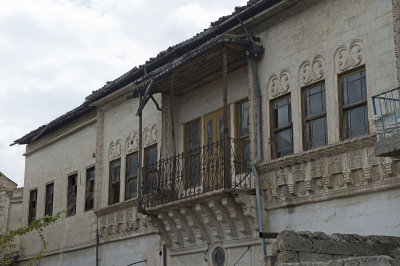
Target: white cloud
(53,53)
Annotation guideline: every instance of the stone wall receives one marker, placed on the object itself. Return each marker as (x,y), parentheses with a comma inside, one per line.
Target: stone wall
(321,249)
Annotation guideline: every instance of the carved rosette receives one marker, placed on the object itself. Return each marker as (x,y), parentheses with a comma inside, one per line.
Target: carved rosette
(115,149)
(348,57)
(279,84)
(312,71)
(150,135)
(132,142)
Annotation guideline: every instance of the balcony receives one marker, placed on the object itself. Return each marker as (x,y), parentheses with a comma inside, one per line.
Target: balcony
(222,165)
(387,121)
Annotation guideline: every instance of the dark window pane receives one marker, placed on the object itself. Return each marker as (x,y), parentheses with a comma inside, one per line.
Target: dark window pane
(49,199)
(89,198)
(244,119)
(284,142)
(282,113)
(356,121)
(194,135)
(32,205)
(115,173)
(317,132)
(132,172)
(71,197)
(315,100)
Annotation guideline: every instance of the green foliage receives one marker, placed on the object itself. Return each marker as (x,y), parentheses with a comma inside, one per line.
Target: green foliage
(7,240)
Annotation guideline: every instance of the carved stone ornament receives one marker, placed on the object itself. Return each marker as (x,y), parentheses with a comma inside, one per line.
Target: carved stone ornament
(150,135)
(348,57)
(312,71)
(115,149)
(132,142)
(279,84)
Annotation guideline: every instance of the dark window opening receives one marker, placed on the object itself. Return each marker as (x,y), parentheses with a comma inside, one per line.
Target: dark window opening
(89,193)
(315,116)
(354,103)
(132,167)
(49,199)
(71,196)
(282,127)
(32,205)
(115,173)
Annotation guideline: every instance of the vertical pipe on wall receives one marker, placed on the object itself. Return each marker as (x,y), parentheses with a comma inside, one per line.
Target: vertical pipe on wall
(97,241)
(140,155)
(225,119)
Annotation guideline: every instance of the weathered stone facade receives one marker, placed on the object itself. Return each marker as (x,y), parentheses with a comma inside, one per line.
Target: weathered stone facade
(338,188)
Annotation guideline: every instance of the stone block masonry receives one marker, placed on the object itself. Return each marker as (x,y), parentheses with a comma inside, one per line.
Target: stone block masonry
(318,248)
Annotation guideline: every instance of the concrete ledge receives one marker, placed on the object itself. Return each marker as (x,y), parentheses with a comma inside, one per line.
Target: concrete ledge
(388,147)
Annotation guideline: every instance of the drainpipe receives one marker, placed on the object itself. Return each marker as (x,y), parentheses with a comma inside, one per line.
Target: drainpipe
(97,241)
(253,55)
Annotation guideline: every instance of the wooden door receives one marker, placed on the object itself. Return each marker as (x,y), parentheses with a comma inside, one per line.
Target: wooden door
(191,158)
(213,128)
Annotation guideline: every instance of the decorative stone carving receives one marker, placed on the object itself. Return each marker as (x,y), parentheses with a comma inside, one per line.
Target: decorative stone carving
(123,222)
(150,135)
(132,142)
(115,149)
(279,84)
(334,172)
(348,57)
(298,172)
(310,72)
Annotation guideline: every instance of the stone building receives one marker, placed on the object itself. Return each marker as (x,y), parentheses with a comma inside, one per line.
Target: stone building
(265,119)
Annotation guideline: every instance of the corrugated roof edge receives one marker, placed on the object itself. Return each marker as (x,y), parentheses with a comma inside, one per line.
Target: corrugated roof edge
(218,27)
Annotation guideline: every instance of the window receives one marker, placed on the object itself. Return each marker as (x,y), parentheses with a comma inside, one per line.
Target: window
(192,150)
(354,104)
(32,205)
(71,196)
(242,133)
(150,164)
(282,127)
(314,116)
(49,199)
(132,167)
(89,193)
(115,173)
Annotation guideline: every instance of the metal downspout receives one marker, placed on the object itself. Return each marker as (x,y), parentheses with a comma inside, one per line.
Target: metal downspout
(259,134)
(259,151)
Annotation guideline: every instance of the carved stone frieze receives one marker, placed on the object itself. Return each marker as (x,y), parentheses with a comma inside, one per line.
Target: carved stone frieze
(346,173)
(279,84)
(348,57)
(150,135)
(122,220)
(312,71)
(115,149)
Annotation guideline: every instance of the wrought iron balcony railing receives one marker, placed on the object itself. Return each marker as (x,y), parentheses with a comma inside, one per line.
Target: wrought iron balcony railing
(387,113)
(222,164)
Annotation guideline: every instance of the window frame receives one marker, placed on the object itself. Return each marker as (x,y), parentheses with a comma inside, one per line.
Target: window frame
(343,109)
(32,212)
(70,195)
(274,131)
(305,120)
(46,204)
(238,134)
(149,184)
(127,176)
(88,189)
(111,184)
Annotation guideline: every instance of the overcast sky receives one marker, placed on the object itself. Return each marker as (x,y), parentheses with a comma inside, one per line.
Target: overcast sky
(53,53)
